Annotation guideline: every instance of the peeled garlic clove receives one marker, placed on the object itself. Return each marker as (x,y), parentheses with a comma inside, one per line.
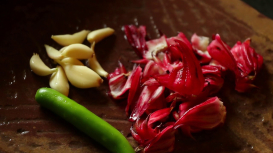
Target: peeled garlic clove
(62,49)
(70,61)
(95,65)
(82,77)
(78,51)
(68,39)
(98,35)
(53,53)
(39,67)
(58,81)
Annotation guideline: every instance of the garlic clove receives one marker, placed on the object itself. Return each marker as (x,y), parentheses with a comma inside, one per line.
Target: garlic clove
(95,65)
(58,81)
(39,67)
(62,49)
(70,61)
(68,39)
(78,51)
(82,76)
(98,35)
(53,53)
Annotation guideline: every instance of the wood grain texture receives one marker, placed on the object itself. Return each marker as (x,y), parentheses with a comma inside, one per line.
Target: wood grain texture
(27,26)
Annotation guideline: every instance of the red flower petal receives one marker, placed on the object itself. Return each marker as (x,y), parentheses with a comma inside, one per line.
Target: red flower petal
(151,69)
(206,115)
(119,70)
(148,95)
(214,79)
(200,44)
(163,142)
(248,62)
(159,116)
(120,82)
(220,52)
(135,85)
(187,79)
(136,37)
(155,46)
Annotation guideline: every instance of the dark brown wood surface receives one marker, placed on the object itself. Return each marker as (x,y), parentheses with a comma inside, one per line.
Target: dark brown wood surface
(26,26)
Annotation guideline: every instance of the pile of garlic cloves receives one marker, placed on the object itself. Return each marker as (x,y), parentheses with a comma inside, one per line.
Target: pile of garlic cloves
(71,68)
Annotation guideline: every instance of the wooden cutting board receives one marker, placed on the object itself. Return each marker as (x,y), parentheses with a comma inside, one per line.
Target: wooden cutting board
(26,26)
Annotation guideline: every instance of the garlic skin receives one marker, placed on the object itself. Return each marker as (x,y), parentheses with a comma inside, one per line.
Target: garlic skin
(78,51)
(53,53)
(82,76)
(68,39)
(98,35)
(95,65)
(58,81)
(39,67)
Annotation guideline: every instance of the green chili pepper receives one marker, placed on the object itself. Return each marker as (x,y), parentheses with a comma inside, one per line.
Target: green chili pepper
(84,120)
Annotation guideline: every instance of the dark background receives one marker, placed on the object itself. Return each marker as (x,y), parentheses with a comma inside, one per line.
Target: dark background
(263,6)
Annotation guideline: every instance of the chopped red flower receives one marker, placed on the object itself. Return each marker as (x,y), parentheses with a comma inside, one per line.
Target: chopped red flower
(214,79)
(200,44)
(179,77)
(248,62)
(149,95)
(220,52)
(152,135)
(186,79)
(136,37)
(204,116)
